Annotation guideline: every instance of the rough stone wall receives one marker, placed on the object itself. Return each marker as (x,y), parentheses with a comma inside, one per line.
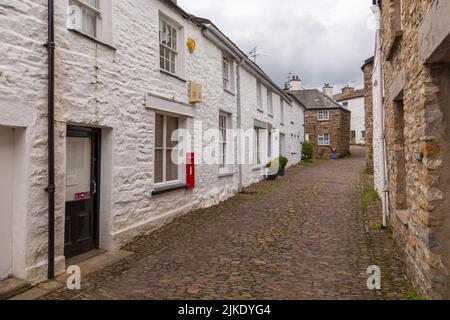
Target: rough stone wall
(338,127)
(423,236)
(105,87)
(368,107)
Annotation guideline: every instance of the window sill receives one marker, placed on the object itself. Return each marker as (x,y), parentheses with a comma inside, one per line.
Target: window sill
(167,189)
(260,110)
(230,92)
(93,39)
(172,75)
(258,168)
(226,175)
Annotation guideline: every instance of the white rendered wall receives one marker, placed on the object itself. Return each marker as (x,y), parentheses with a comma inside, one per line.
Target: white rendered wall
(358,120)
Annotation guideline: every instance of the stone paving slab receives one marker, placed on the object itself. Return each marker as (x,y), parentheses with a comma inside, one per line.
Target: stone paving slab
(302,237)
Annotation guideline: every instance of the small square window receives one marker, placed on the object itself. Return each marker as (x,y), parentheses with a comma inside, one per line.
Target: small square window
(323,115)
(324,139)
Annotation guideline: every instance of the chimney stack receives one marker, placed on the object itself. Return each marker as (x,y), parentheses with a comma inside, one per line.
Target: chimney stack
(328,90)
(347,90)
(295,84)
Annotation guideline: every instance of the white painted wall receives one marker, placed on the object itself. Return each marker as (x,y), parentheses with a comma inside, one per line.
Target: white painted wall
(377,129)
(106,88)
(358,120)
(6,199)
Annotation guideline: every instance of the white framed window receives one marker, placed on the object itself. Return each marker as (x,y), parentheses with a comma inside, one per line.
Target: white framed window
(324,139)
(269,102)
(168,46)
(166,167)
(282,144)
(345,104)
(259,95)
(90,13)
(282,111)
(223,139)
(226,73)
(323,115)
(257,146)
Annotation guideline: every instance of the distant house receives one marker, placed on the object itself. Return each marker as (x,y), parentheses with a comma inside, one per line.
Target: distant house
(327,123)
(353,100)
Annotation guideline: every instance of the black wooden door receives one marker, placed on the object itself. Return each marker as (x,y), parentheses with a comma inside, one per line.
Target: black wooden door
(82,190)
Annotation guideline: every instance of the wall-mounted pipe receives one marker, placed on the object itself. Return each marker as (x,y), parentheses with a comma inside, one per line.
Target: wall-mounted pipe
(51,140)
(378,103)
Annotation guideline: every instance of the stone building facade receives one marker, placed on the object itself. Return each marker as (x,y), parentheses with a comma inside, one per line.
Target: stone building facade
(367,69)
(327,123)
(127,83)
(415,37)
(353,100)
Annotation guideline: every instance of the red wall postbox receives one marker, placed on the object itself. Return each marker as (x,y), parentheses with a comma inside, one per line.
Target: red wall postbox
(190,171)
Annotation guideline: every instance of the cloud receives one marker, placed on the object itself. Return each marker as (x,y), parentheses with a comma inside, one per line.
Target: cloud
(320,40)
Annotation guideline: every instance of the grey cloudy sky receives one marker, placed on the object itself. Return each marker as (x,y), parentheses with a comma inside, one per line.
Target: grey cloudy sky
(320,40)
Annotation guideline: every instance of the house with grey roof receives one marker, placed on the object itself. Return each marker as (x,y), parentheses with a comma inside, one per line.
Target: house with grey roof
(327,123)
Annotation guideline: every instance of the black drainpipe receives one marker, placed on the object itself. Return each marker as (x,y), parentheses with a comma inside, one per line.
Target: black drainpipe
(51,141)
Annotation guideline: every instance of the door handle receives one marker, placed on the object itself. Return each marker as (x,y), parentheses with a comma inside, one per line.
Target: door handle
(94,183)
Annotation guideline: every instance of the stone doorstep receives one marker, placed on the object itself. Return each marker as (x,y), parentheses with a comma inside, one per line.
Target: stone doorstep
(88,266)
(12,286)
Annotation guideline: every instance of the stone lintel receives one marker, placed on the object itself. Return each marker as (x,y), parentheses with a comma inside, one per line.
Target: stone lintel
(434,34)
(398,85)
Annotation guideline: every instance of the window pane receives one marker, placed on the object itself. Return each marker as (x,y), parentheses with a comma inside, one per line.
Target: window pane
(78,180)
(172,127)
(171,165)
(89,22)
(158,166)
(159,131)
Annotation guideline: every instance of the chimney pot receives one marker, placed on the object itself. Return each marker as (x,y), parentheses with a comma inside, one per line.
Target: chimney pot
(328,90)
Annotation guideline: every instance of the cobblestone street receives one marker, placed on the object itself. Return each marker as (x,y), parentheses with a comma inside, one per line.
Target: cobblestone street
(304,236)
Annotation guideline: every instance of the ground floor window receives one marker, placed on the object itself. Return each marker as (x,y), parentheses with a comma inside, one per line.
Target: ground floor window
(324,139)
(224,142)
(257,146)
(166,149)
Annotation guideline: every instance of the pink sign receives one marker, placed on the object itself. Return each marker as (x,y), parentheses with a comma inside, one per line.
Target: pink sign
(82,196)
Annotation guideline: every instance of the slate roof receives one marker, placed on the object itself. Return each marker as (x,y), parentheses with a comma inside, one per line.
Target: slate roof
(314,99)
(352,95)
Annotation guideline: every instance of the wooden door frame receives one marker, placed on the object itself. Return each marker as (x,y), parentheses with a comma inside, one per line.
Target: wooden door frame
(95,135)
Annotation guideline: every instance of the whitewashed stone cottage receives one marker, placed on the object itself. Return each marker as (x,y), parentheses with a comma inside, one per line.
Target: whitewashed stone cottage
(353,100)
(125,79)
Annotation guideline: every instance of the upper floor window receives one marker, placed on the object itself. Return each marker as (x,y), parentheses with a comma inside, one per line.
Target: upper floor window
(270,102)
(259,95)
(168,46)
(226,73)
(93,18)
(345,104)
(323,115)
(282,111)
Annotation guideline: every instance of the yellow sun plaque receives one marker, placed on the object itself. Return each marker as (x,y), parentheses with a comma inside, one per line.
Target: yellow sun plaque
(191,45)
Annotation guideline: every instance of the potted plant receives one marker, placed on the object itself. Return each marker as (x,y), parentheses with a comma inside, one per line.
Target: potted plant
(283,162)
(272,170)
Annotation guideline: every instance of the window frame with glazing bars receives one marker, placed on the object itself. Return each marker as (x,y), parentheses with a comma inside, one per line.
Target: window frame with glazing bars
(223,145)
(323,143)
(323,118)
(166,52)
(95,11)
(165,148)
